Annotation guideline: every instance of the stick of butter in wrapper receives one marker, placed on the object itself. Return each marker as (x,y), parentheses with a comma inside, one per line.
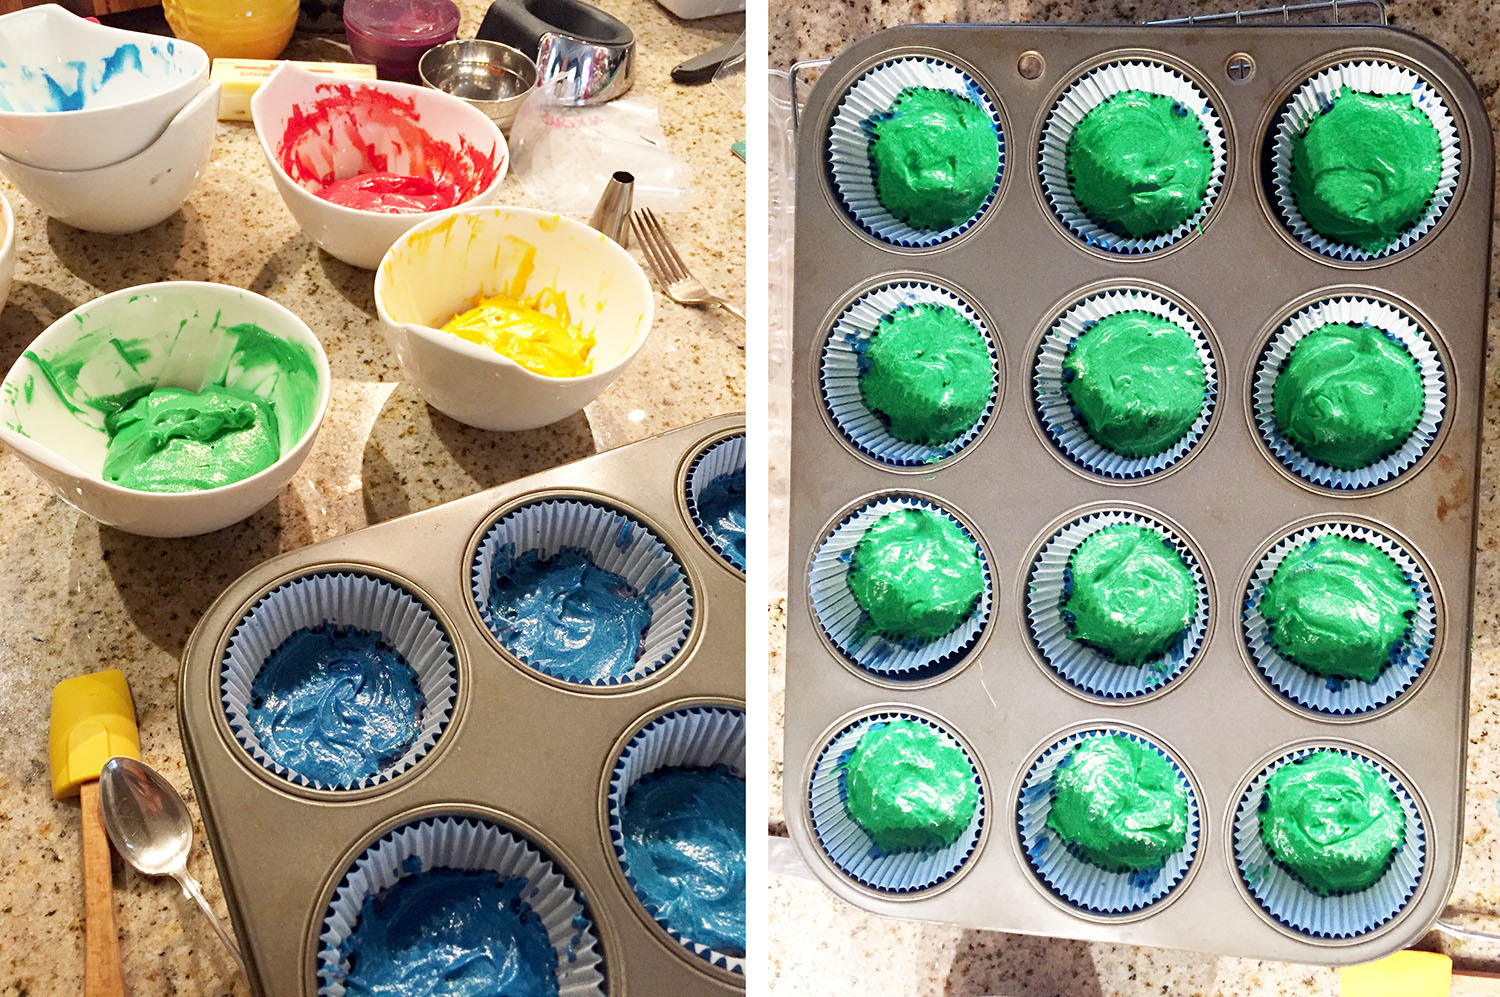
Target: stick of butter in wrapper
(242,77)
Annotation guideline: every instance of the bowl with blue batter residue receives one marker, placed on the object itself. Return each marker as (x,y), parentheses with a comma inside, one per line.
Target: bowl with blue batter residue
(77,95)
(168,409)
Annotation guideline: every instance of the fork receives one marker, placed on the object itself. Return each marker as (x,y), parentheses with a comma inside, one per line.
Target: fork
(679,285)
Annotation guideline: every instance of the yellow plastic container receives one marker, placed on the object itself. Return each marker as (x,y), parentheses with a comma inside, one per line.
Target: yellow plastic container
(234,29)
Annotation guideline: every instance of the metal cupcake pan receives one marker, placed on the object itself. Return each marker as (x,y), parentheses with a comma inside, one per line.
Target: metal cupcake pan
(1243,273)
(527,752)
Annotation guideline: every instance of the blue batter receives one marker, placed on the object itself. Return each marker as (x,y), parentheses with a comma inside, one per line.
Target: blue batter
(336,704)
(684,841)
(721,511)
(79,84)
(566,616)
(454,933)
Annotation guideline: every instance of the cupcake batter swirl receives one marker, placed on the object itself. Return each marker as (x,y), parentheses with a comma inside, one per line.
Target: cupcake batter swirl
(1120,803)
(916,573)
(685,849)
(909,787)
(935,157)
(1131,595)
(721,510)
(928,372)
(335,704)
(1332,821)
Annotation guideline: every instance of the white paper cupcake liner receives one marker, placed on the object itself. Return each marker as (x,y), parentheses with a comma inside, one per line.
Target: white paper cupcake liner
(467,843)
(1350,310)
(1285,898)
(616,542)
(1073,878)
(1054,407)
(843,362)
(849,145)
(723,457)
(1339,697)
(695,737)
(1316,96)
(348,600)
(1087,669)
(1089,92)
(848,626)
(850,846)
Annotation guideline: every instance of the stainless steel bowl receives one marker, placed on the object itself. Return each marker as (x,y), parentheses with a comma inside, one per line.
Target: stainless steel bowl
(493,77)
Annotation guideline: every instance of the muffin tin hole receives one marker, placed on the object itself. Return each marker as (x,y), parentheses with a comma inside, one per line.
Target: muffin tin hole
(713,494)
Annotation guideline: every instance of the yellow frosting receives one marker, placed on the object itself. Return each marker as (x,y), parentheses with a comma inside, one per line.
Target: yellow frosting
(544,342)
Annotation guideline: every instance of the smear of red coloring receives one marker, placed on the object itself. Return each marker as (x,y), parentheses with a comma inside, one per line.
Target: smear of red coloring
(438,176)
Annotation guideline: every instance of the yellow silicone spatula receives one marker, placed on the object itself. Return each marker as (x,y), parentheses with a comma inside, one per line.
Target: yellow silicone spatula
(93,720)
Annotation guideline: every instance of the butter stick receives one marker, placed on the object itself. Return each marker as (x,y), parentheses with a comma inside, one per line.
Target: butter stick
(242,77)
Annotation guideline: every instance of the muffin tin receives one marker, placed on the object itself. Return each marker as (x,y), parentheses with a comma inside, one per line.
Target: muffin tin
(525,752)
(1226,499)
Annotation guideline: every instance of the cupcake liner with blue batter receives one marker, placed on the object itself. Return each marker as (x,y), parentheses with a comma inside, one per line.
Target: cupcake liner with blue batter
(1087,93)
(849,164)
(1066,873)
(1339,697)
(849,627)
(1088,669)
(1054,407)
(1315,97)
(693,737)
(843,363)
(341,599)
(616,542)
(468,843)
(850,846)
(1294,905)
(1356,311)
(723,457)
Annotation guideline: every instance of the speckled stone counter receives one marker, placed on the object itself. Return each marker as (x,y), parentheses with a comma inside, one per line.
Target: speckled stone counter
(80,598)
(820,945)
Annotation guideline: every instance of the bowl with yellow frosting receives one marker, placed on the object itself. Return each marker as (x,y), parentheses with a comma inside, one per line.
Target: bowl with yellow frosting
(168,409)
(511,318)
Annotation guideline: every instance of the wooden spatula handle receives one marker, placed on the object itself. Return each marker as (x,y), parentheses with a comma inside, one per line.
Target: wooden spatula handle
(102,976)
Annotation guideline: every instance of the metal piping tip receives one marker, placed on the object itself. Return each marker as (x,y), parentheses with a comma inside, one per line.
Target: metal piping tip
(612,214)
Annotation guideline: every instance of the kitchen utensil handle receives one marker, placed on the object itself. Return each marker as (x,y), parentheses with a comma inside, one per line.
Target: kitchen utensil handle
(731,309)
(102,974)
(191,888)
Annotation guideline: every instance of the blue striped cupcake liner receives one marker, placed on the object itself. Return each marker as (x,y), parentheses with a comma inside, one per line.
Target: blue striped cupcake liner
(1087,93)
(1315,97)
(843,364)
(1286,900)
(1065,872)
(723,457)
(616,542)
(1082,667)
(1339,697)
(343,599)
(474,844)
(849,163)
(1054,408)
(849,627)
(850,847)
(1350,310)
(694,737)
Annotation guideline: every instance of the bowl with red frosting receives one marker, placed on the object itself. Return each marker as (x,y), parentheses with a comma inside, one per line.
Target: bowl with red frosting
(359,162)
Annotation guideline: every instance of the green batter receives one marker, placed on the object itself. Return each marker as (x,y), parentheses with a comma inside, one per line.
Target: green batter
(1139,164)
(935,157)
(1348,395)
(1365,170)
(928,372)
(1132,595)
(1339,607)
(1332,821)
(1137,383)
(174,440)
(909,787)
(1120,803)
(917,574)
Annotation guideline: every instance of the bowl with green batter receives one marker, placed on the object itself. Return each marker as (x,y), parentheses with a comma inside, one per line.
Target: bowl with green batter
(168,409)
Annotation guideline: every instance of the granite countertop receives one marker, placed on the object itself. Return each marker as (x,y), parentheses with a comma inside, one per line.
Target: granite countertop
(820,945)
(80,597)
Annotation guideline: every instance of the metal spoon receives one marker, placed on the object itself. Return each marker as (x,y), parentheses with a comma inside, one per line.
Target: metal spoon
(149,824)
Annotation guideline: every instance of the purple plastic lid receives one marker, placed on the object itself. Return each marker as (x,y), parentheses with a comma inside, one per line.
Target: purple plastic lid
(402,22)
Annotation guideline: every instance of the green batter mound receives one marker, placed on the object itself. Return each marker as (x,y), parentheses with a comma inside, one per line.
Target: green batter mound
(928,373)
(1132,595)
(1120,803)
(909,787)
(917,574)
(935,156)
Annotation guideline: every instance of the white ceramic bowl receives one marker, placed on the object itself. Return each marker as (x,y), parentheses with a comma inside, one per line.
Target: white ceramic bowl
(336,149)
(437,269)
(135,194)
(7,248)
(179,334)
(121,88)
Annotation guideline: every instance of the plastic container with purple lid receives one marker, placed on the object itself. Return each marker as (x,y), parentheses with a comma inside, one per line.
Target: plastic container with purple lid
(393,34)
